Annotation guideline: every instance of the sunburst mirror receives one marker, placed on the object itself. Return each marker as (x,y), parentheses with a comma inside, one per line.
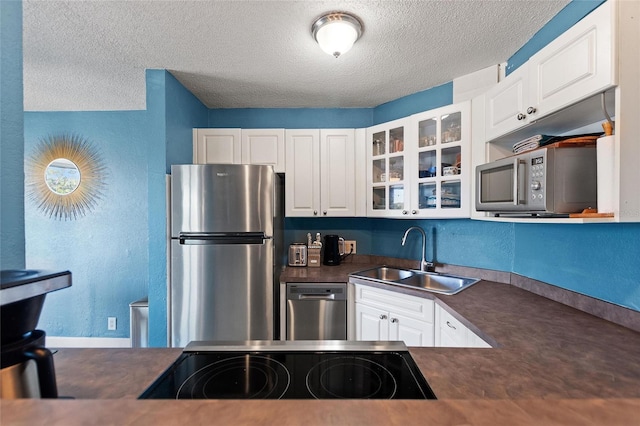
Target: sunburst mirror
(65,176)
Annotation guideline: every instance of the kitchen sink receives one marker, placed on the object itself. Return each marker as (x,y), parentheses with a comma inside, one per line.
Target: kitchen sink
(428,281)
(438,283)
(385,273)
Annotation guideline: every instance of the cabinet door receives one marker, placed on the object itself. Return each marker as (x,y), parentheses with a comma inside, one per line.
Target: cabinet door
(337,177)
(371,323)
(440,163)
(302,178)
(418,308)
(411,331)
(449,331)
(216,146)
(577,64)
(387,177)
(507,102)
(264,146)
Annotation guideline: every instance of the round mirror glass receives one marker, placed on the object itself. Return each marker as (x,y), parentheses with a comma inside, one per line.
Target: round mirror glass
(62,176)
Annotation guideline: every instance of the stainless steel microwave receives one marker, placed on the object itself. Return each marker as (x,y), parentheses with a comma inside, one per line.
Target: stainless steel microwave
(543,182)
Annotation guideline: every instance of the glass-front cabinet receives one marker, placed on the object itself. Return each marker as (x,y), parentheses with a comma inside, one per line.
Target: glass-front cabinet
(386,169)
(420,166)
(442,166)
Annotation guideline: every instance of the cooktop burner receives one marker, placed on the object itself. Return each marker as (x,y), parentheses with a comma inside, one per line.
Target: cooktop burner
(237,376)
(351,377)
(290,373)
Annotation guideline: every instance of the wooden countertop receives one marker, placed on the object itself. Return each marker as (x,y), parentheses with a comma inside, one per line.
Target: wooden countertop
(552,365)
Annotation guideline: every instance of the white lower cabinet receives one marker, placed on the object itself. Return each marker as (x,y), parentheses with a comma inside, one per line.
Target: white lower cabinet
(387,315)
(451,333)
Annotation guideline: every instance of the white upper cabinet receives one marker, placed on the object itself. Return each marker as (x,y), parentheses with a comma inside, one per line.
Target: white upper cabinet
(388,183)
(320,179)
(439,160)
(576,65)
(302,176)
(337,178)
(216,146)
(506,104)
(420,166)
(264,146)
(239,146)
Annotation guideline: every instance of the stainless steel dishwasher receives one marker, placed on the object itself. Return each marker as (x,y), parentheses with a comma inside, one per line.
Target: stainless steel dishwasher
(316,311)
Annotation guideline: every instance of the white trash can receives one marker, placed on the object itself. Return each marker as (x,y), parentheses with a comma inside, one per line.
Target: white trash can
(139,323)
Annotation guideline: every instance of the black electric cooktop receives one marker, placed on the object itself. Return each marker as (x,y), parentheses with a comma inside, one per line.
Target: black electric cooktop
(292,370)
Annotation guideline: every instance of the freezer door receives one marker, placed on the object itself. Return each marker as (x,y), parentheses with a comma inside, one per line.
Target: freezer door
(222,198)
(221,291)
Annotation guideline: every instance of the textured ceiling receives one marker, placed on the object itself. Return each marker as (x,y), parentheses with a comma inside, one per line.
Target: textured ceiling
(91,55)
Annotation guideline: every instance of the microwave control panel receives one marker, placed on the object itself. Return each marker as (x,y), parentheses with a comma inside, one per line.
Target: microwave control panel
(536,179)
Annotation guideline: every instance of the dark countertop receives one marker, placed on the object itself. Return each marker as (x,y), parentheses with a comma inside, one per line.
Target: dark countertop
(542,348)
(552,364)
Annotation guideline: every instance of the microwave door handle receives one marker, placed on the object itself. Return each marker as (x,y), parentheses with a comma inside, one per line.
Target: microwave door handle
(518,182)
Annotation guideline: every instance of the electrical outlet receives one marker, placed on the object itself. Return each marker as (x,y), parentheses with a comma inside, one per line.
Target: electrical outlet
(111,323)
(350,246)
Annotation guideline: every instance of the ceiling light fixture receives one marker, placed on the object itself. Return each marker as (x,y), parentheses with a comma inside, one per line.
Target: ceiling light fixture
(336,32)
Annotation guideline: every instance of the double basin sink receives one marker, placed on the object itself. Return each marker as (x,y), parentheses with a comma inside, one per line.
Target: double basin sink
(428,281)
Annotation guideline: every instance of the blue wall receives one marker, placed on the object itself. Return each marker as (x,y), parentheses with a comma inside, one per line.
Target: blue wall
(173,112)
(12,252)
(116,253)
(106,250)
(422,101)
(312,118)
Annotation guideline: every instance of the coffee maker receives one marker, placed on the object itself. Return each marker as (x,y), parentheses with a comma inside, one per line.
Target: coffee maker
(27,369)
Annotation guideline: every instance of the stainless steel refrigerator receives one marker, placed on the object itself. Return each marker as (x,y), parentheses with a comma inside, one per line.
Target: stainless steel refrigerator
(226,245)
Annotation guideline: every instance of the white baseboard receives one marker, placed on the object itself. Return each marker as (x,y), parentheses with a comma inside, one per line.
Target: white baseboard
(87,342)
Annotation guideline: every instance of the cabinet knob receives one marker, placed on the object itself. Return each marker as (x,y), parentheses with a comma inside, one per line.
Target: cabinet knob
(521,116)
(315,212)
(383,317)
(414,211)
(394,320)
(324,212)
(531,110)
(405,212)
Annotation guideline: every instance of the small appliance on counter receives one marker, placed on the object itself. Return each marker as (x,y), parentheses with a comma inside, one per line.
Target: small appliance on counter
(27,366)
(298,254)
(328,369)
(332,253)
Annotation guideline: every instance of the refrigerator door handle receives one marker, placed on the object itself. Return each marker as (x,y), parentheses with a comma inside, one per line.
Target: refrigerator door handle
(223,238)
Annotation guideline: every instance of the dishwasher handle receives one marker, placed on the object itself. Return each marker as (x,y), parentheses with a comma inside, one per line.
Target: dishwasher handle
(316,296)
(313,292)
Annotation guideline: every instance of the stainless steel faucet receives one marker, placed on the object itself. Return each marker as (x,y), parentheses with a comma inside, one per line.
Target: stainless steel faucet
(424,265)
